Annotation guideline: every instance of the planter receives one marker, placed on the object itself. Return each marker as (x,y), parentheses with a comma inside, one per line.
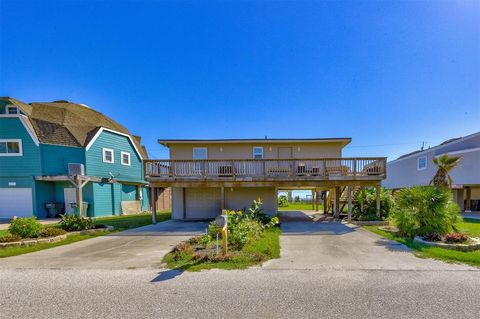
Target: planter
(93,230)
(474,244)
(34,241)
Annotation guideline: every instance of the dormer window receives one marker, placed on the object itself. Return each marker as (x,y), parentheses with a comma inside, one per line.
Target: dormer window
(12,109)
(107,155)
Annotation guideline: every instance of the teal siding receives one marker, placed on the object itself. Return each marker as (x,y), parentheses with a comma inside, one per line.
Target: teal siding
(146,199)
(129,192)
(106,196)
(96,167)
(55,158)
(27,165)
(44,192)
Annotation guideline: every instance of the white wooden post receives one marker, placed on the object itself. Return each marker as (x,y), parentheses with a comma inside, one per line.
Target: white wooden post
(349,203)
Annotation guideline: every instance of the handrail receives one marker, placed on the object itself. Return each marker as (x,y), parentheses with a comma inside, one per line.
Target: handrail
(260,169)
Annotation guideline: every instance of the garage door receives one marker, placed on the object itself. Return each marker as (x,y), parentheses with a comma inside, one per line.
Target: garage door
(202,203)
(16,202)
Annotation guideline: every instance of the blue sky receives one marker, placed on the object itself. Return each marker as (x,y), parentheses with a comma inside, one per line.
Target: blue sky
(388,74)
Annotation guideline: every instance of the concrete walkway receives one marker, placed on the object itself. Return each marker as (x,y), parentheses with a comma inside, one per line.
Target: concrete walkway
(332,245)
(142,247)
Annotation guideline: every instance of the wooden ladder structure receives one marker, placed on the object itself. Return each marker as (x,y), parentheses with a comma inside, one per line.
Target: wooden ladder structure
(330,199)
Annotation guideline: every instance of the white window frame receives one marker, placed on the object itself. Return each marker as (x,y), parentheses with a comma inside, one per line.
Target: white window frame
(12,107)
(418,163)
(257,148)
(129,159)
(104,151)
(15,140)
(200,148)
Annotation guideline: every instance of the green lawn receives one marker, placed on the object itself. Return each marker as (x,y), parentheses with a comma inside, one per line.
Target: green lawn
(119,222)
(299,206)
(267,247)
(468,226)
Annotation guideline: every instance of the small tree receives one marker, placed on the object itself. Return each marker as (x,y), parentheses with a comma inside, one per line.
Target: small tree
(445,164)
(369,199)
(282,201)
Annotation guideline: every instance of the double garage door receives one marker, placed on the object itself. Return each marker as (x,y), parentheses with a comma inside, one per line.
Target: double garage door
(202,203)
(16,202)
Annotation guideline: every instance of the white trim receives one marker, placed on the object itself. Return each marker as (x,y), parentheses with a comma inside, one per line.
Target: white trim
(418,163)
(23,119)
(199,148)
(436,147)
(104,150)
(468,150)
(253,151)
(129,158)
(20,146)
(115,132)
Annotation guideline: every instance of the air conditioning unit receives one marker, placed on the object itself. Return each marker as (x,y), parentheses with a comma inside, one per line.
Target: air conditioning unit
(76,169)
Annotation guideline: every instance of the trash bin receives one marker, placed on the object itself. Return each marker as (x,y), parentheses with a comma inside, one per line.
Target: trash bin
(52,209)
(84,208)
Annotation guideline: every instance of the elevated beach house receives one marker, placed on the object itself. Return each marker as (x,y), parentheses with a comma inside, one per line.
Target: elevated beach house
(417,168)
(207,176)
(60,156)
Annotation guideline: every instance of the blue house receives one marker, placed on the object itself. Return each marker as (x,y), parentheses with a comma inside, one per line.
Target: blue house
(63,155)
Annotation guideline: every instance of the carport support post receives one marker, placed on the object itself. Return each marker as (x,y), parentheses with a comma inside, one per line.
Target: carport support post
(313,199)
(377,194)
(153,195)
(349,203)
(79,195)
(316,200)
(222,198)
(337,202)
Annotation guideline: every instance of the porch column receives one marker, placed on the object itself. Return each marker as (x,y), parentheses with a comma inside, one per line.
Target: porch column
(153,204)
(79,195)
(468,199)
(349,203)
(337,202)
(222,198)
(316,200)
(377,193)
(313,199)
(362,205)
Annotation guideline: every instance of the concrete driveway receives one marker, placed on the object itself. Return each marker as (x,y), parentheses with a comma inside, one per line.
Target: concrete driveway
(329,244)
(141,247)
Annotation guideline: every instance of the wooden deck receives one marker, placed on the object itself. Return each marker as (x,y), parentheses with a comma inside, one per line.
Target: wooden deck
(266,170)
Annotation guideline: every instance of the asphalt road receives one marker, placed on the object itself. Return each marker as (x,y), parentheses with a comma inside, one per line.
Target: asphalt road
(326,271)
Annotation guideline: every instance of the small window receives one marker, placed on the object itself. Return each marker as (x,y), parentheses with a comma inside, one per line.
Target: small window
(107,155)
(422,163)
(12,109)
(11,147)
(258,152)
(199,153)
(125,158)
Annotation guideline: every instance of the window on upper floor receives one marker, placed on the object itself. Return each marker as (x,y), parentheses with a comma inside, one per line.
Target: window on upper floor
(125,158)
(107,155)
(422,163)
(11,147)
(11,109)
(258,152)
(199,153)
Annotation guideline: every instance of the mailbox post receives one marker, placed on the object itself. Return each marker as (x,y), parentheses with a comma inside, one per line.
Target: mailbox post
(222,222)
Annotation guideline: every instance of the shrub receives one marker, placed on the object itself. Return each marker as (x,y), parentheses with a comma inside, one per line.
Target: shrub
(369,199)
(200,256)
(75,223)
(52,232)
(25,227)
(423,210)
(282,201)
(456,238)
(181,250)
(220,257)
(10,238)
(244,231)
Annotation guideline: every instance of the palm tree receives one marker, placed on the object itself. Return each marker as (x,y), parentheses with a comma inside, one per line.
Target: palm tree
(445,164)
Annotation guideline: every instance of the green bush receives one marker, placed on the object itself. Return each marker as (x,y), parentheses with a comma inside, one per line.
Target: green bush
(25,227)
(424,210)
(241,233)
(10,238)
(282,201)
(52,232)
(369,199)
(75,223)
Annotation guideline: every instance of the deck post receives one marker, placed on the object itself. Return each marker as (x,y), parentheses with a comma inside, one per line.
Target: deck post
(316,200)
(362,205)
(222,198)
(154,196)
(79,195)
(377,194)
(313,199)
(349,203)
(337,202)
(468,199)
